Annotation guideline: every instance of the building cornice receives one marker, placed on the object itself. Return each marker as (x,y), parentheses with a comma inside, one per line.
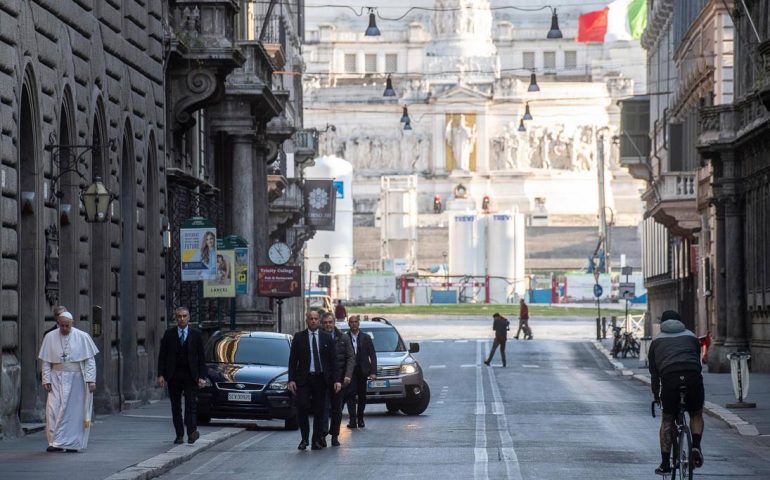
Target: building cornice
(657,22)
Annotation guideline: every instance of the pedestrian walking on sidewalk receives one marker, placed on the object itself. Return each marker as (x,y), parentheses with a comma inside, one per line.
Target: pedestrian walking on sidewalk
(313,370)
(340,312)
(346,359)
(69,377)
(674,361)
(181,366)
(500,325)
(524,321)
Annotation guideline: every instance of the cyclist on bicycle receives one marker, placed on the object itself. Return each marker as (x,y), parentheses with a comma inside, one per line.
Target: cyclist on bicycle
(674,360)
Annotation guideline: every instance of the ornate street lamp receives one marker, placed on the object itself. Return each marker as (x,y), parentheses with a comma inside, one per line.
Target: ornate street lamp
(96,200)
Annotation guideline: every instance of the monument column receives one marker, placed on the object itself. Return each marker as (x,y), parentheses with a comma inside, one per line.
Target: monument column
(439,147)
(482,143)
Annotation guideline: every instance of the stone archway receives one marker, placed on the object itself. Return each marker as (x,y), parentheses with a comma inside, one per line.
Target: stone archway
(31,253)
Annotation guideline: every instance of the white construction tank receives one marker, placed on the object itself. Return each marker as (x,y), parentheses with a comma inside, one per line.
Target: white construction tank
(464,243)
(337,244)
(505,255)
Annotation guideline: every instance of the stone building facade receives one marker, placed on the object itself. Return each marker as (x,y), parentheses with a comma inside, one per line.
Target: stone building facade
(734,144)
(181,108)
(87,76)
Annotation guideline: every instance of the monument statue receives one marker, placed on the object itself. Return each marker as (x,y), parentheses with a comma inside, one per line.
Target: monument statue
(461,139)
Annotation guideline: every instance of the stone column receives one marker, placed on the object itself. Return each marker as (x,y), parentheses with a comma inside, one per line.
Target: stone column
(718,363)
(735,292)
(244,207)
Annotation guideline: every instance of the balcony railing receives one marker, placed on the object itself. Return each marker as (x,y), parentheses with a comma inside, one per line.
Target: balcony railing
(677,186)
(291,201)
(305,145)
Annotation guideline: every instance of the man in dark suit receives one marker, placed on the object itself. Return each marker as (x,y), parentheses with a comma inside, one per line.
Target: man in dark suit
(181,366)
(365,369)
(313,370)
(346,361)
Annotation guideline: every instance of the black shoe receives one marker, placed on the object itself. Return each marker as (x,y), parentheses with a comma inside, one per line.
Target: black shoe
(361,423)
(51,448)
(486,363)
(663,469)
(178,440)
(322,441)
(504,365)
(697,458)
(352,423)
(192,437)
(316,446)
(516,337)
(71,450)
(335,442)
(302,445)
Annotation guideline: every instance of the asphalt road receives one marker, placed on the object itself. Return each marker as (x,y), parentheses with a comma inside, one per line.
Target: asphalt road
(556,412)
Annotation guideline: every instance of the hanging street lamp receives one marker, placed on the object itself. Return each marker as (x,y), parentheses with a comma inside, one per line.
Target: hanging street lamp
(522,128)
(96,200)
(389,92)
(554,32)
(405,116)
(533,87)
(372,30)
(527,115)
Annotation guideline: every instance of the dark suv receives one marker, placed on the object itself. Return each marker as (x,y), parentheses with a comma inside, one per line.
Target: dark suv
(399,384)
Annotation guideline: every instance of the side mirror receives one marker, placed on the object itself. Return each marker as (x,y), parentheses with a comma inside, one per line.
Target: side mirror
(414,347)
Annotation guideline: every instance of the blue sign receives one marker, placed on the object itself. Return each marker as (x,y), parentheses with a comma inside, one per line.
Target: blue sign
(340,187)
(598,290)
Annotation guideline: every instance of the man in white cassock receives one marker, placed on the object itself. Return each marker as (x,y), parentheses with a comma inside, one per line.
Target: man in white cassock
(69,377)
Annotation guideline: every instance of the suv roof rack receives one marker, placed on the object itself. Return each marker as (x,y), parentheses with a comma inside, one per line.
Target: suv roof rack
(380,319)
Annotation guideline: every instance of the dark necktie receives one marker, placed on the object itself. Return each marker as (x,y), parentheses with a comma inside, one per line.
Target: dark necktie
(316,357)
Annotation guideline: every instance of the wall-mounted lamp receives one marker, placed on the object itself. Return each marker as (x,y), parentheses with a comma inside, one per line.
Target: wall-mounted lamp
(96,200)
(27,203)
(165,232)
(64,214)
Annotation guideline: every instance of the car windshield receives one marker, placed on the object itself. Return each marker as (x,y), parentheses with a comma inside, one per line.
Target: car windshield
(243,349)
(385,339)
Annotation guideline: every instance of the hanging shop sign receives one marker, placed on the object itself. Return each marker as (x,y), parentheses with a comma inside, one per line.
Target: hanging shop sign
(320,203)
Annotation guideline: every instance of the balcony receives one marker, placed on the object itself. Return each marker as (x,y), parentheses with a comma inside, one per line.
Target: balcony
(286,209)
(305,146)
(634,154)
(672,201)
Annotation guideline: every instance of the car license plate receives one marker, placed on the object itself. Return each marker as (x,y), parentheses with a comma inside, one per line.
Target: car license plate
(379,383)
(238,397)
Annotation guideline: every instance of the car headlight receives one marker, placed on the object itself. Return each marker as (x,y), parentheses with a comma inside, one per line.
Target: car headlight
(207,383)
(408,368)
(278,386)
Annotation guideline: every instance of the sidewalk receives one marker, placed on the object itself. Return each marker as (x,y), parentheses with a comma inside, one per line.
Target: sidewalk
(719,392)
(135,444)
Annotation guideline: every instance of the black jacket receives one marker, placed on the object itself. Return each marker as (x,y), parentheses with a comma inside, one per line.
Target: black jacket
(366,357)
(299,358)
(675,349)
(346,359)
(170,346)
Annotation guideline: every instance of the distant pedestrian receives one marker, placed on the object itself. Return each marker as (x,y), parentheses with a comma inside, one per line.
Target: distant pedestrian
(182,367)
(365,370)
(524,321)
(340,312)
(69,377)
(346,362)
(500,325)
(313,370)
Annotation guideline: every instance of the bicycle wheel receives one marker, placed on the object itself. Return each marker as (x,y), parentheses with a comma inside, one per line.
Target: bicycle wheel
(685,459)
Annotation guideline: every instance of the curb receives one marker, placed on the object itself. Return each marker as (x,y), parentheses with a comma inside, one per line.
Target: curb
(732,420)
(160,464)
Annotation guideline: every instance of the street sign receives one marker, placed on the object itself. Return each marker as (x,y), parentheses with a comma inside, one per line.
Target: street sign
(279,282)
(598,290)
(324,267)
(627,291)
(627,271)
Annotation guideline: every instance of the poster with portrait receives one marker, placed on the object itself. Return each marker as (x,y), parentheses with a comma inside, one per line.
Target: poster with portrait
(223,286)
(198,249)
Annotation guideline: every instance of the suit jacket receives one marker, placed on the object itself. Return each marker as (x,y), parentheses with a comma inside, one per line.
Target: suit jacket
(169,347)
(366,357)
(299,358)
(345,355)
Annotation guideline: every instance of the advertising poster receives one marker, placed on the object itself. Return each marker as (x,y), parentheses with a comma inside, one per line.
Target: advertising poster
(320,201)
(223,286)
(198,247)
(242,270)
(279,282)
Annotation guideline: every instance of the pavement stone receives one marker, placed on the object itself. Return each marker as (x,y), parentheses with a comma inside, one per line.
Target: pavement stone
(719,392)
(136,444)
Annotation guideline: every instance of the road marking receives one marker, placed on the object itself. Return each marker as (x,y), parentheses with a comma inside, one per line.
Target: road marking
(560,367)
(225,458)
(481,460)
(436,366)
(437,341)
(468,365)
(461,341)
(512,468)
(530,366)
(440,402)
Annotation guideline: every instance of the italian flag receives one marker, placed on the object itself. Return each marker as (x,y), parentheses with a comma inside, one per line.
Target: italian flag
(620,20)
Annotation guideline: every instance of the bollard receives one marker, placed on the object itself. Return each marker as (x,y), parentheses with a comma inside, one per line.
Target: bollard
(739,371)
(644,348)
(598,329)
(604,327)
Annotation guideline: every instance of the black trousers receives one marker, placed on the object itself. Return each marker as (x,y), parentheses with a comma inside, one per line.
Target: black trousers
(188,387)
(311,398)
(333,411)
(355,395)
(498,342)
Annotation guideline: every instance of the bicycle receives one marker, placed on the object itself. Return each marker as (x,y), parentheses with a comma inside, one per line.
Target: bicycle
(682,467)
(624,343)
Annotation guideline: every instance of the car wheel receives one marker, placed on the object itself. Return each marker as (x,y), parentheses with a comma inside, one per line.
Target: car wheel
(392,407)
(204,419)
(420,405)
(290,424)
